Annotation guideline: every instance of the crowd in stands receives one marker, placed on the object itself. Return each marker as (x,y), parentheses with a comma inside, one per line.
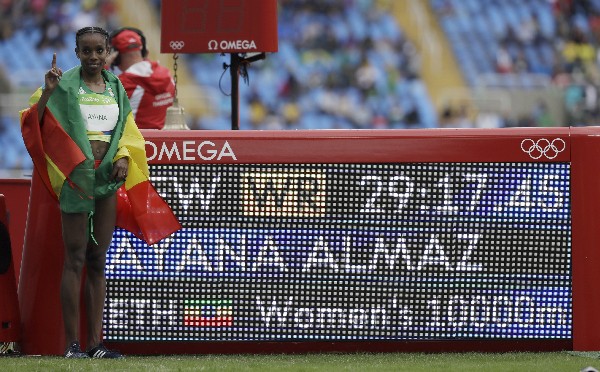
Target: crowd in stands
(340,64)
(577,71)
(30,31)
(52,20)
(346,63)
(544,43)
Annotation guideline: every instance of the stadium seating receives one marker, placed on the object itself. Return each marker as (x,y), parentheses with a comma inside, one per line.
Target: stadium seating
(343,64)
(467,24)
(321,48)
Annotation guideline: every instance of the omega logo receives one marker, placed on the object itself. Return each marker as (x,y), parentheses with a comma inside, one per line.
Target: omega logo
(188,151)
(232,44)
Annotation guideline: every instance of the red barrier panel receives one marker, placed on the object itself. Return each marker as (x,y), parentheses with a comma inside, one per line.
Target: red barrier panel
(262,212)
(585,184)
(41,268)
(10,323)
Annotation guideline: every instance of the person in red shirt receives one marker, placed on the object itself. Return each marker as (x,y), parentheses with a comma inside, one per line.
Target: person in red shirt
(149,85)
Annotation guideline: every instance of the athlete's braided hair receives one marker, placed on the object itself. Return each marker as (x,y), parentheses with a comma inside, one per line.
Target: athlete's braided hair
(87,30)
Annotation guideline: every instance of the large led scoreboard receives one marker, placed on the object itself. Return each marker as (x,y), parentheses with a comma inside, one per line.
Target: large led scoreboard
(341,237)
(461,239)
(350,252)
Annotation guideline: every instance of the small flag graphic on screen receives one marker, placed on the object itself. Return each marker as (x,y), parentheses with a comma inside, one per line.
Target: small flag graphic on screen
(208,313)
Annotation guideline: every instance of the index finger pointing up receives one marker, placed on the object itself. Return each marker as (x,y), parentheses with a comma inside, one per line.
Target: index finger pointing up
(54,61)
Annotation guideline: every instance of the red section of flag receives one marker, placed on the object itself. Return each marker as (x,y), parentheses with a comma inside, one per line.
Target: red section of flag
(200,321)
(49,139)
(142,211)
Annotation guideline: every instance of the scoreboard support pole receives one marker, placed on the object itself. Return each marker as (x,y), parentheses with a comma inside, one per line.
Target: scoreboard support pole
(238,66)
(234,69)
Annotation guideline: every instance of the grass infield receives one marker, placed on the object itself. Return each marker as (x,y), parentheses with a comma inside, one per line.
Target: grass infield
(363,362)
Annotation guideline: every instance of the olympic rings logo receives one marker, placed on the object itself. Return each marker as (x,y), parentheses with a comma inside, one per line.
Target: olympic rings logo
(543,147)
(176,45)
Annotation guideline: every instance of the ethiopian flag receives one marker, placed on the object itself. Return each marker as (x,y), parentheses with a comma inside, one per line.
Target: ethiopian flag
(62,156)
(208,313)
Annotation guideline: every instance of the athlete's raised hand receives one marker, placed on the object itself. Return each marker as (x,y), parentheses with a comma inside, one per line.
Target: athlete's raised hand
(52,76)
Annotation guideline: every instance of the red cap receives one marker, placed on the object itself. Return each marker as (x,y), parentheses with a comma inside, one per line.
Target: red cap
(127,41)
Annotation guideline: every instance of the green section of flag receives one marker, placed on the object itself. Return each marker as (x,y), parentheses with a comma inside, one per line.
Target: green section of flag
(200,303)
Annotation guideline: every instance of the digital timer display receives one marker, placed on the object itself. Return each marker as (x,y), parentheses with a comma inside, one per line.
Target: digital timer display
(394,251)
(218,26)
